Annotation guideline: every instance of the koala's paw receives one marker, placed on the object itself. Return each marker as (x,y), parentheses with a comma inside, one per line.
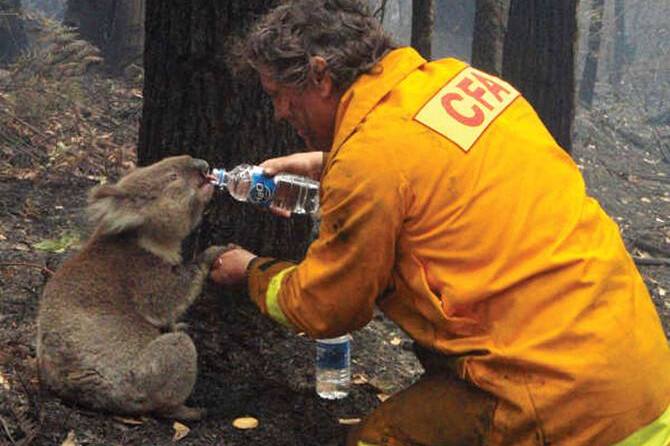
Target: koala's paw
(178,326)
(183,413)
(209,255)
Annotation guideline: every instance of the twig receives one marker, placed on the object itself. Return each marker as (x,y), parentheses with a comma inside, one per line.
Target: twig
(21,121)
(27,426)
(658,178)
(9,434)
(650,248)
(381,11)
(31,265)
(29,126)
(651,260)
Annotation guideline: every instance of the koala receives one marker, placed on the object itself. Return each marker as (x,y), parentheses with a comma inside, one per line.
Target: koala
(107,336)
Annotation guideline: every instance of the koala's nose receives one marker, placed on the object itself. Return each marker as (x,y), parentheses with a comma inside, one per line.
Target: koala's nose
(201,165)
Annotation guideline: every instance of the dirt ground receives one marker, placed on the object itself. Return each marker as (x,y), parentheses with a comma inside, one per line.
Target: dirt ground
(248,365)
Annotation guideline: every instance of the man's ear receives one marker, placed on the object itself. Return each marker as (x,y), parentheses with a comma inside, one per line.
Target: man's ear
(320,76)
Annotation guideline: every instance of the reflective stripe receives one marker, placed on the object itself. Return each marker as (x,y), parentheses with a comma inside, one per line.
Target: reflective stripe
(656,433)
(272,295)
(362,443)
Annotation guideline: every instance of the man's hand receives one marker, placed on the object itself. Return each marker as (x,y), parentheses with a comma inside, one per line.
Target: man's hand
(307,164)
(230,267)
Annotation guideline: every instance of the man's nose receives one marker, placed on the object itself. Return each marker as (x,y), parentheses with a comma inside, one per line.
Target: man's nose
(281,110)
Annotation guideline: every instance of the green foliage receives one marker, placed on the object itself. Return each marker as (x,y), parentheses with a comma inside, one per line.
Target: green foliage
(66,241)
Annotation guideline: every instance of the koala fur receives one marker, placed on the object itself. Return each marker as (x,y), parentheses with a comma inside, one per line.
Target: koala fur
(108,336)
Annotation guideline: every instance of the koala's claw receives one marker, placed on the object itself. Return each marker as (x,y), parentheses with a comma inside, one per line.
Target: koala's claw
(178,326)
(209,255)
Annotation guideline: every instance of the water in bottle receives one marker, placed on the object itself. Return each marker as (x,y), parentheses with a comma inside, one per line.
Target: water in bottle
(333,367)
(296,194)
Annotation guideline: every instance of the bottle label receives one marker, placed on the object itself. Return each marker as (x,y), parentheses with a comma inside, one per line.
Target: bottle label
(262,188)
(332,356)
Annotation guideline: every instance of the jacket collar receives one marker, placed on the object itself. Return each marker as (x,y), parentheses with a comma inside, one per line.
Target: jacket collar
(370,88)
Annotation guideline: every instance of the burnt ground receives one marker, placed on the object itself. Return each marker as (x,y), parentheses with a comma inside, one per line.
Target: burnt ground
(248,365)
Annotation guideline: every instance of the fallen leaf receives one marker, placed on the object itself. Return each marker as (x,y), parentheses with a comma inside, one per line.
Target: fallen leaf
(349,421)
(2,237)
(69,440)
(4,383)
(27,175)
(382,397)
(645,200)
(245,423)
(180,431)
(662,292)
(396,341)
(359,379)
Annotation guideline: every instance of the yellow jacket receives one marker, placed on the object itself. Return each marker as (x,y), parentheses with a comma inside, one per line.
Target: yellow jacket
(447,203)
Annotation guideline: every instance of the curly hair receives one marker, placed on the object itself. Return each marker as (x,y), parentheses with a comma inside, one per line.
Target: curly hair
(343,32)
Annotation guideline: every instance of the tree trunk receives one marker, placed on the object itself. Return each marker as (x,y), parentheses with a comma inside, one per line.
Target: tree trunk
(126,44)
(538,58)
(590,74)
(194,105)
(114,26)
(12,34)
(619,55)
(423,16)
(489,35)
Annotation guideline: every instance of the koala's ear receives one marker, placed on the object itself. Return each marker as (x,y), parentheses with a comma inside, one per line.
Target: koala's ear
(111,210)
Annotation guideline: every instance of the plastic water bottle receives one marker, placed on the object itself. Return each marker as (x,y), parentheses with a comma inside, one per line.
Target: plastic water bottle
(333,367)
(296,194)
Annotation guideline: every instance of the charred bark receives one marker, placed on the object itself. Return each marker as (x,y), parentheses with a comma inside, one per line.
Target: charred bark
(114,26)
(194,104)
(423,17)
(590,74)
(489,35)
(538,58)
(13,38)
(619,55)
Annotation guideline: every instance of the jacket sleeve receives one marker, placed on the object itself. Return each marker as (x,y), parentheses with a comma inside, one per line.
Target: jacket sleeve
(333,290)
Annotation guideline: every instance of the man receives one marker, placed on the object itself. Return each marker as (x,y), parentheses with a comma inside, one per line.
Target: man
(446,203)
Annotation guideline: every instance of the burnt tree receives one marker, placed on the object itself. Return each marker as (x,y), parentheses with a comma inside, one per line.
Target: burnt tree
(193,103)
(538,58)
(619,52)
(114,26)
(423,17)
(489,34)
(590,74)
(12,34)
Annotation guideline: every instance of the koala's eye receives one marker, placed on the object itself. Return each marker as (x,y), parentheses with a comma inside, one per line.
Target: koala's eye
(173,176)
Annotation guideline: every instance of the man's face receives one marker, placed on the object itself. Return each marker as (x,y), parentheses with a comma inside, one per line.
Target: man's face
(310,110)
